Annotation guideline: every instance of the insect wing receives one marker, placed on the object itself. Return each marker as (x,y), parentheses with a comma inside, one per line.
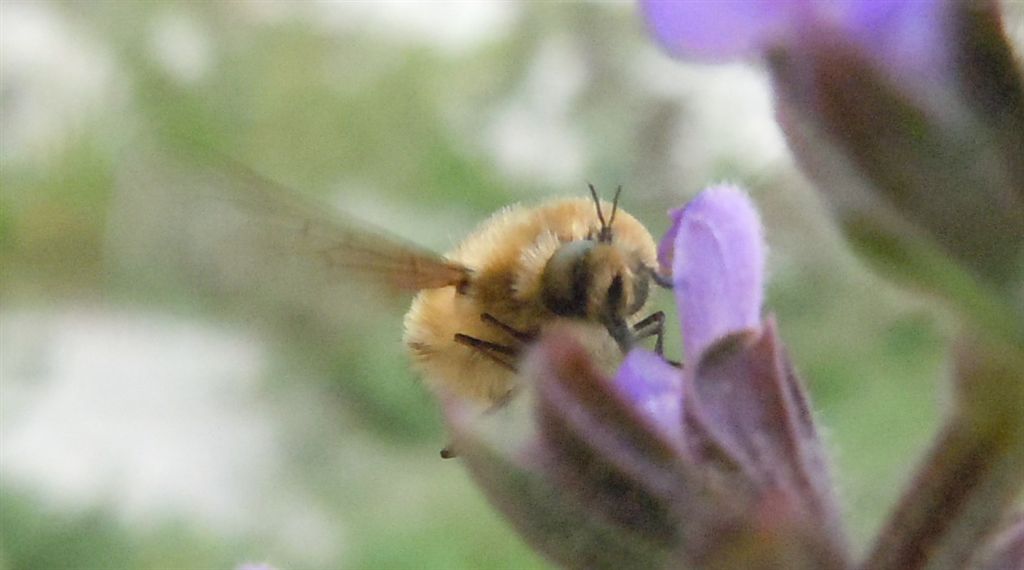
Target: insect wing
(313,229)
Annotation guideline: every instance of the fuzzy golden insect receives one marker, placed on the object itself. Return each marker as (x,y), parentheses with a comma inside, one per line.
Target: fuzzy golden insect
(521,271)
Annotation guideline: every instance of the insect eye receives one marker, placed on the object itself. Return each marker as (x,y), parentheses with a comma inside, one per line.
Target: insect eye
(641,288)
(615,293)
(567,279)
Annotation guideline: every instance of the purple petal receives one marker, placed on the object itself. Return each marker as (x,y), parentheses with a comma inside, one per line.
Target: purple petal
(717,30)
(655,387)
(718,267)
(908,39)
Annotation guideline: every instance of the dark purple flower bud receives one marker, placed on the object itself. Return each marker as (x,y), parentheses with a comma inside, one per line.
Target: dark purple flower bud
(590,489)
(715,465)
(748,422)
(603,449)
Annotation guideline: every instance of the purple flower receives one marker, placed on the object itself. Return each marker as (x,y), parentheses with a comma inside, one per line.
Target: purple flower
(744,412)
(909,115)
(714,464)
(903,37)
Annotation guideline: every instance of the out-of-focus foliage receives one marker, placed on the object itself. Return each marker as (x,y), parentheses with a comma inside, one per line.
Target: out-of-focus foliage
(316,448)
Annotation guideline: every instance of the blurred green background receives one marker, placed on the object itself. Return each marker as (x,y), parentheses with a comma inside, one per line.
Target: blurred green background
(176,394)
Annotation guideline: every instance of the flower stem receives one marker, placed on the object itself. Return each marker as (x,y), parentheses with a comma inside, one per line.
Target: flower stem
(970,477)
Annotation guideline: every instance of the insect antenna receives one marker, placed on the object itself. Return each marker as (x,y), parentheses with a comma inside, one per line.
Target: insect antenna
(605,235)
(597,204)
(615,206)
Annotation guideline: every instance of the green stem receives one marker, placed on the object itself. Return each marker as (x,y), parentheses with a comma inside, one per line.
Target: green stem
(970,477)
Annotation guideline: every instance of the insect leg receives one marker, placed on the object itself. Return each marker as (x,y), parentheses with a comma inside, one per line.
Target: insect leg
(663,281)
(491,350)
(512,332)
(652,325)
(621,333)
